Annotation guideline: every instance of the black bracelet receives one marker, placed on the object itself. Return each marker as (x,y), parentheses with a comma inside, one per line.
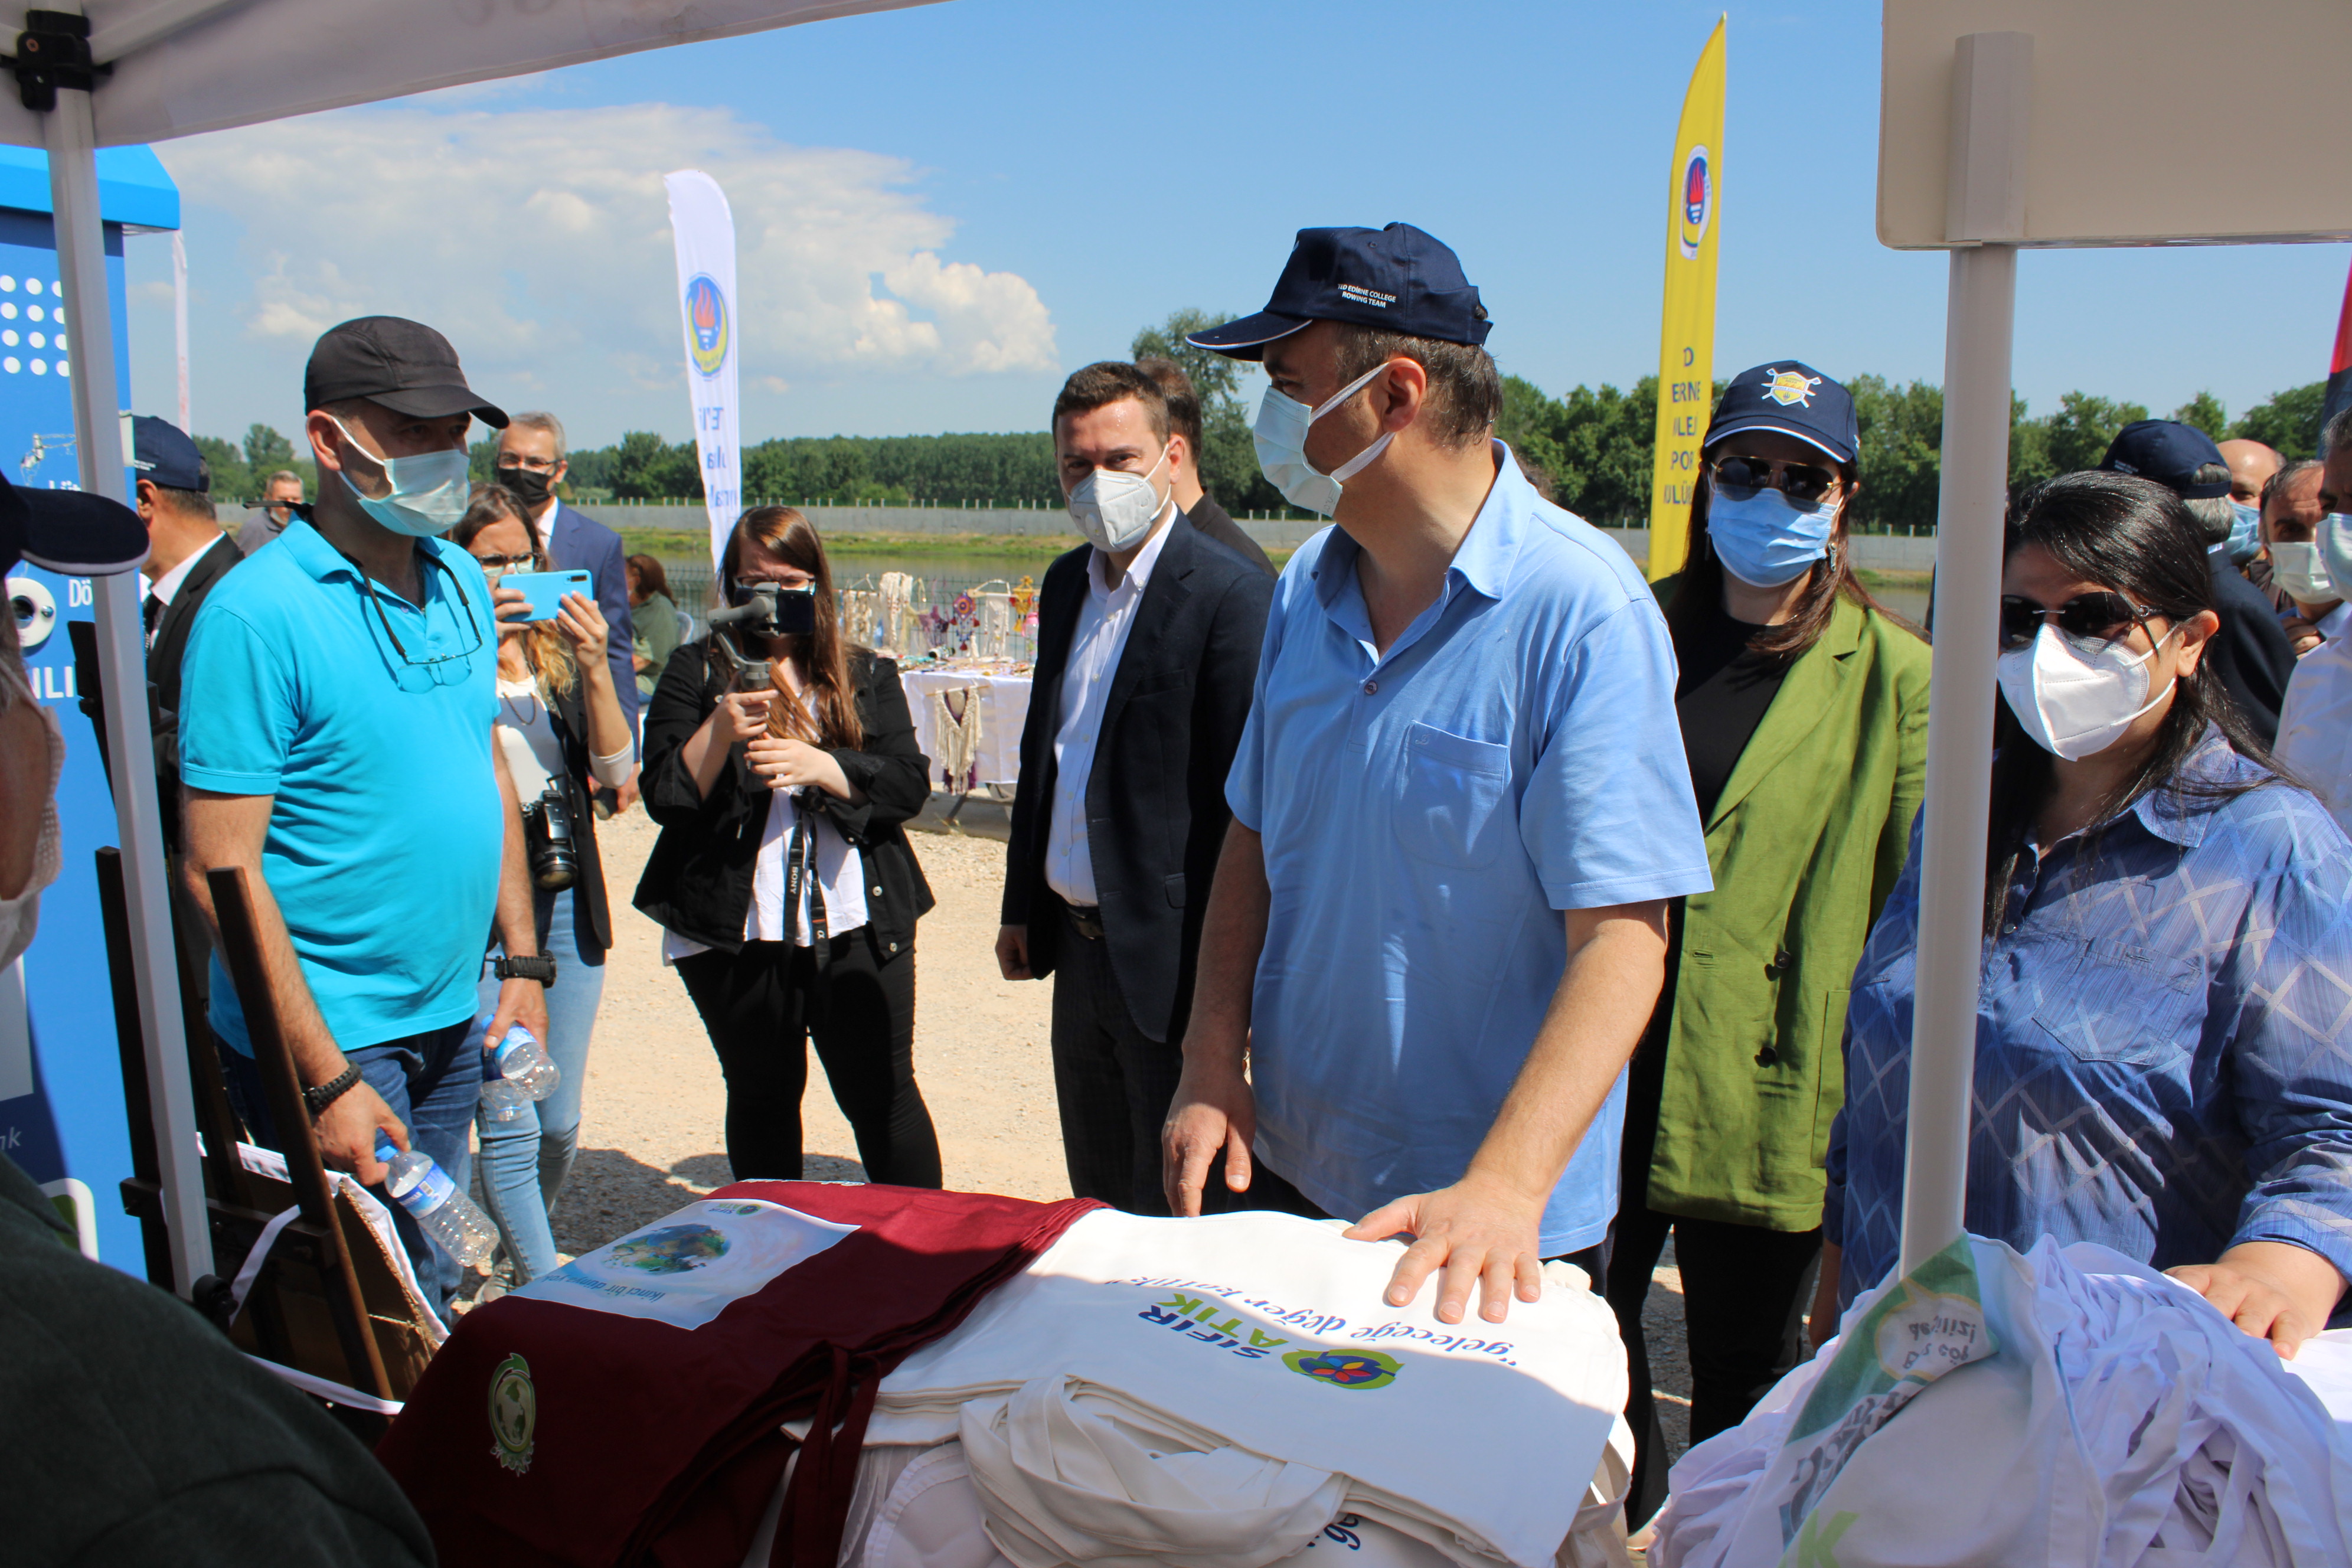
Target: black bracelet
(317,1099)
(539,968)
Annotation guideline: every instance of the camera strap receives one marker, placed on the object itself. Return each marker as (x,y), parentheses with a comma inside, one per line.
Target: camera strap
(803,893)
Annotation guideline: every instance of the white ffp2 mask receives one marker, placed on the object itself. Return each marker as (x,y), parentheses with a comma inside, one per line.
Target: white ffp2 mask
(2077,703)
(1281,437)
(1115,508)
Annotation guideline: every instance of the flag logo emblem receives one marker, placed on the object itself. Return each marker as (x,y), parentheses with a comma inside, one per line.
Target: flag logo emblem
(1698,200)
(708,329)
(1792,388)
(514,1414)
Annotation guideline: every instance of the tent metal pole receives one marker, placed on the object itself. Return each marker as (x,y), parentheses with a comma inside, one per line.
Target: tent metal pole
(1960,746)
(122,656)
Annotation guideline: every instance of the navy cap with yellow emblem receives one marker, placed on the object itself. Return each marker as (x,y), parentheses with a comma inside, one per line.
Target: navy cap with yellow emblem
(1793,398)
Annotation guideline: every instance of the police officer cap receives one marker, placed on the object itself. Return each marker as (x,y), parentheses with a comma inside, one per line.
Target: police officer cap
(1792,398)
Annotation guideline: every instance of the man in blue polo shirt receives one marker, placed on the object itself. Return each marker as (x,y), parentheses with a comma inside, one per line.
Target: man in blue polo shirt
(335,741)
(1459,808)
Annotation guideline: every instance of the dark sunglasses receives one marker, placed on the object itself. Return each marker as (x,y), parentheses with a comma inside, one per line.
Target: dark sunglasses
(2102,615)
(1741,478)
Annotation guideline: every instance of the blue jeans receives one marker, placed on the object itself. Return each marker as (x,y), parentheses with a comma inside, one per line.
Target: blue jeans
(526,1160)
(433,1082)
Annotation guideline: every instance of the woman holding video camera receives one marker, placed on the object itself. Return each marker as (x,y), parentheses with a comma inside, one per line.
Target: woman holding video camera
(780,763)
(562,731)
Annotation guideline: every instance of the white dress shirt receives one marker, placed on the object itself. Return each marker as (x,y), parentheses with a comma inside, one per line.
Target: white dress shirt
(1103,620)
(2315,732)
(163,588)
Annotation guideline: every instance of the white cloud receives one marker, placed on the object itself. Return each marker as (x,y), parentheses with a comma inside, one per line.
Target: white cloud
(538,240)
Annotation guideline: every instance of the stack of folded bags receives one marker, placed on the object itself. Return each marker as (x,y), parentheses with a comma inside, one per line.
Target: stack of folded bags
(1235,1391)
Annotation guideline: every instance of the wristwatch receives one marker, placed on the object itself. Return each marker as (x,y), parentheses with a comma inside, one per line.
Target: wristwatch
(317,1099)
(542,969)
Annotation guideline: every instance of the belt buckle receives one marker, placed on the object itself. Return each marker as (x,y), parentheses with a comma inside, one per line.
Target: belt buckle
(1086,924)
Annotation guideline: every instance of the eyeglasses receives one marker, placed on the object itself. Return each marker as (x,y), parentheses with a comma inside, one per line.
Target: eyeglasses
(495,565)
(368,592)
(536,465)
(2106,617)
(1741,478)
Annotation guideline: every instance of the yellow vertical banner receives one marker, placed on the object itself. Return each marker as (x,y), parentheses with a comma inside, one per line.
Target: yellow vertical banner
(1687,325)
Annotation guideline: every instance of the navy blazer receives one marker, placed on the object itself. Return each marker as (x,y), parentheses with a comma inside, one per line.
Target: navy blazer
(1156,811)
(577,541)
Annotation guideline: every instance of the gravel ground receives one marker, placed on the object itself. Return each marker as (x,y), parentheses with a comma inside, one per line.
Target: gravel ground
(652,1140)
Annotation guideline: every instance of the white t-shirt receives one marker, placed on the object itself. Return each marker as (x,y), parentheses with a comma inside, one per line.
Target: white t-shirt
(534,750)
(840,879)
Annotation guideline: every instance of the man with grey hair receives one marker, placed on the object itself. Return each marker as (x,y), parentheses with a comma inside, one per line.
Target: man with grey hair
(282,493)
(2249,654)
(2311,603)
(2316,725)
(531,463)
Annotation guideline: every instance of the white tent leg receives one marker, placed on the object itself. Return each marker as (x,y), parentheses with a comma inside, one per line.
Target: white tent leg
(122,656)
(1977,333)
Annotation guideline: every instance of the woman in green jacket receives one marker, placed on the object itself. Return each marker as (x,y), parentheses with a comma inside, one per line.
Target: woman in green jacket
(1803,706)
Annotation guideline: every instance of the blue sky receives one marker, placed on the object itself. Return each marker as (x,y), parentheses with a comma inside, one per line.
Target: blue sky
(942,210)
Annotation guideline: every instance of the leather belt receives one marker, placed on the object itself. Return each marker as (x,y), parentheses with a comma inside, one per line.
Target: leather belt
(1085,922)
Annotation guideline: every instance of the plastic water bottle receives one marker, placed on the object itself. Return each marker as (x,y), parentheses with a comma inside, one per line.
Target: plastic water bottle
(516,1074)
(447,1215)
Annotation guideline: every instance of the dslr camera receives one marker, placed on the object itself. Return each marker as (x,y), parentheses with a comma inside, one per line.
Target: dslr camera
(547,835)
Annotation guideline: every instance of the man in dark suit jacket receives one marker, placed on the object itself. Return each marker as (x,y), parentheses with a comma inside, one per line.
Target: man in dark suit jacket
(187,554)
(531,464)
(1147,646)
(1201,508)
(2250,654)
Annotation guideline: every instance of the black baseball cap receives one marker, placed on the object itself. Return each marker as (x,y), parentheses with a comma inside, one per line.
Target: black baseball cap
(2168,452)
(1396,278)
(72,531)
(405,366)
(1792,398)
(163,453)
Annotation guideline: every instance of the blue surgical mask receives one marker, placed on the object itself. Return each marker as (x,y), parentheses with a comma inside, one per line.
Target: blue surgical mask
(430,490)
(1765,542)
(2245,532)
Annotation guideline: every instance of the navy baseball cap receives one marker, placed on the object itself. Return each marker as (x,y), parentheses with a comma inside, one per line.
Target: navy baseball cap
(72,531)
(1792,398)
(1396,278)
(161,452)
(2168,452)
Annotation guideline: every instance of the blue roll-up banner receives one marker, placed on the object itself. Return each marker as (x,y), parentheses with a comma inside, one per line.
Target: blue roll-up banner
(61,1096)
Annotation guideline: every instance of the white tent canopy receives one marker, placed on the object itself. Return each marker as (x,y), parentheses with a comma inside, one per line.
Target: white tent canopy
(184,66)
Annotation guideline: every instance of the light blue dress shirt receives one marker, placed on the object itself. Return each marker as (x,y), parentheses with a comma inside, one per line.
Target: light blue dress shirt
(1426,818)
(368,718)
(2163,1041)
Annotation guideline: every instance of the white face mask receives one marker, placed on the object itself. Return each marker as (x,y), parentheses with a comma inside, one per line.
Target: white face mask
(1281,435)
(2335,550)
(2297,568)
(1115,508)
(2076,697)
(429,492)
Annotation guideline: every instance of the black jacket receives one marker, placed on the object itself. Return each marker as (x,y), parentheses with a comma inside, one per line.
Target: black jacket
(1156,812)
(163,661)
(1218,523)
(698,881)
(2250,653)
(591,910)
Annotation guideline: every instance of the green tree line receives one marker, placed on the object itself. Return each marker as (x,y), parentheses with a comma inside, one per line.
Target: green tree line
(1590,448)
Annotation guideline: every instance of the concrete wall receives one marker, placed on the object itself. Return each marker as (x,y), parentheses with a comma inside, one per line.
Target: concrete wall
(1880,552)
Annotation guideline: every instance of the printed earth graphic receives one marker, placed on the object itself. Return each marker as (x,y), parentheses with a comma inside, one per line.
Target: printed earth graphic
(673,1249)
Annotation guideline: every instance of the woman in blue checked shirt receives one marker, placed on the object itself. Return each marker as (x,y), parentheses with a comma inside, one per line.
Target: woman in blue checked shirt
(2164,1036)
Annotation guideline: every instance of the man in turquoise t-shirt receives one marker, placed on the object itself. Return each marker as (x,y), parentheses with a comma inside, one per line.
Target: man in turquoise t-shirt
(335,741)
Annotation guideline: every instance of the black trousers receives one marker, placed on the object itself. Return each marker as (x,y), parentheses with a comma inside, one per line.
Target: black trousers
(1745,1292)
(762,1006)
(1112,1082)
